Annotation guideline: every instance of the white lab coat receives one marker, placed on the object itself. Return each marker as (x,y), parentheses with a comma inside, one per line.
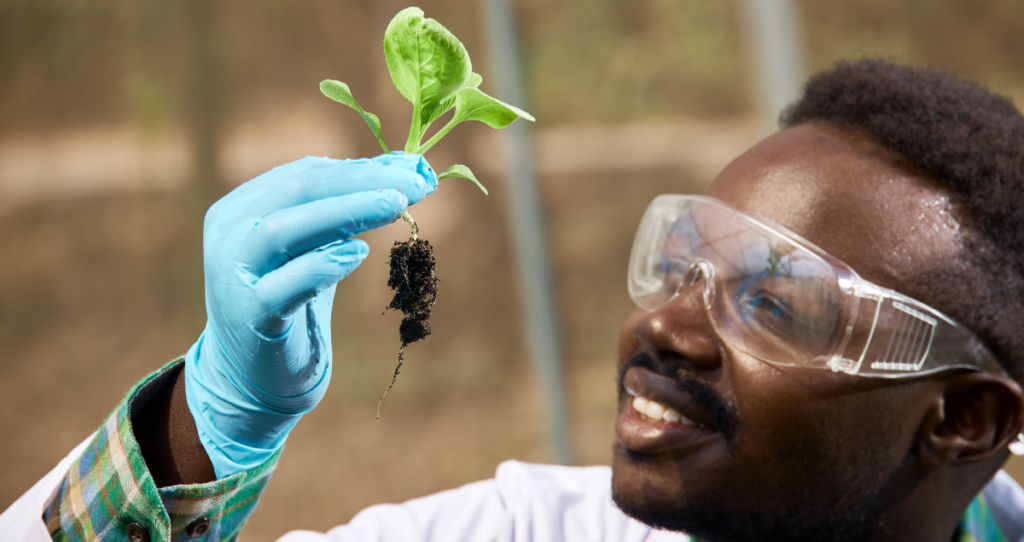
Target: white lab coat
(523,502)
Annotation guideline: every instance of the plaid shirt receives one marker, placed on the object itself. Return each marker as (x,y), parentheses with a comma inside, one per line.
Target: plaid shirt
(108,488)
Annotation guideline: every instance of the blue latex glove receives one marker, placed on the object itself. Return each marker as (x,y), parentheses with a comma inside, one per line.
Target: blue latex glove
(274,250)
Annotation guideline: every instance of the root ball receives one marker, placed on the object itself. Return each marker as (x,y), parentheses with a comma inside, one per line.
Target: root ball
(415,285)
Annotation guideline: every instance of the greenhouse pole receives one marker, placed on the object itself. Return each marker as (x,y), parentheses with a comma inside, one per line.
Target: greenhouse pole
(539,313)
(775,42)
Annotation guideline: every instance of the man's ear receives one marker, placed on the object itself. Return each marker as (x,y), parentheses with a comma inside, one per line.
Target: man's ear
(973,417)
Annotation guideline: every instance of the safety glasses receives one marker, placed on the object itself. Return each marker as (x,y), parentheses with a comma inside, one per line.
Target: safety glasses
(779,298)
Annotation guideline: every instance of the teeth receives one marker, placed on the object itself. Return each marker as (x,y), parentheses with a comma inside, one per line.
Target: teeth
(654,410)
(658,411)
(687,421)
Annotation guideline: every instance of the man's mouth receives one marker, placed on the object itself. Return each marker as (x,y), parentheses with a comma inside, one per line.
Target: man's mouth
(653,411)
(659,413)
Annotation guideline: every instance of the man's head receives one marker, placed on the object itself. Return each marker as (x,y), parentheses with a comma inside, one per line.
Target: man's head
(916,180)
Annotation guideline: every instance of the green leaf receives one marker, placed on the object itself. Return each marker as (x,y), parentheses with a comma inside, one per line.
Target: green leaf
(429,116)
(427,64)
(472,104)
(339,92)
(459,170)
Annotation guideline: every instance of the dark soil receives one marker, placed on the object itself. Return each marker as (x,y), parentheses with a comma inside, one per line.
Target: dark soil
(415,286)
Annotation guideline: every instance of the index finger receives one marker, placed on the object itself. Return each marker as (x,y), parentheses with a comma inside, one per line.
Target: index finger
(312,179)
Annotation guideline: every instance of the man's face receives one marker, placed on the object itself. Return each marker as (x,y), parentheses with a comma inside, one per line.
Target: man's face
(782,451)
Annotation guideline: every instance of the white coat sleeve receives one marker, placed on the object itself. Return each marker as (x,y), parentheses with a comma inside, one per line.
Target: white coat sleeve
(23,520)
(524,502)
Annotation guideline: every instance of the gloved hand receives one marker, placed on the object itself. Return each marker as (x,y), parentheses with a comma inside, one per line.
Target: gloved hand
(274,250)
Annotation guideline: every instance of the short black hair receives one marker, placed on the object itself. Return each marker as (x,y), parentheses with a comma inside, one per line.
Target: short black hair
(967,138)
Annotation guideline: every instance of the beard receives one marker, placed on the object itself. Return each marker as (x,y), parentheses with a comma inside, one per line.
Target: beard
(849,509)
(713,521)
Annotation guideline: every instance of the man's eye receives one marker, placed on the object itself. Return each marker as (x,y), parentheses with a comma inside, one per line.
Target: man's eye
(769,309)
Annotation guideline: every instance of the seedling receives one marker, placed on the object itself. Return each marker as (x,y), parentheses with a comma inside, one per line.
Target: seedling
(431,68)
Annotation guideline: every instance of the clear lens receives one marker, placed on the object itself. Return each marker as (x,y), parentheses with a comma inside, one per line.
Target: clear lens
(655,264)
(773,299)
(779,298)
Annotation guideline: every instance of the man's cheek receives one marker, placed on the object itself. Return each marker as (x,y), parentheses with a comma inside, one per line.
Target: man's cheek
(628,344)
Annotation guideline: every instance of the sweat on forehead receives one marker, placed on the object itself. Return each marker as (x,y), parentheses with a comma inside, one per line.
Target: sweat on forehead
(848,195)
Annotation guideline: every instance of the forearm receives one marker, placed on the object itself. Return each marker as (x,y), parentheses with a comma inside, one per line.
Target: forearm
(168,438)
(145,467)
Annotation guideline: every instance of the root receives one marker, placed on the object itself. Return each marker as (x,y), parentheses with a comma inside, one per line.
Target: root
(398,369)
(415,285)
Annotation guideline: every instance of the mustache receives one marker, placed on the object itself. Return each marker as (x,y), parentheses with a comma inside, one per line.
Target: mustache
(723,414)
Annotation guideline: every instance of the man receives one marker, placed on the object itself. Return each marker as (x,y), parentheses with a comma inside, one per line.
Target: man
(826,347)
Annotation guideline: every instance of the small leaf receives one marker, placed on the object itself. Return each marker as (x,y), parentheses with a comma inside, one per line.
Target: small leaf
(427,63)
(472,104)
(434,113)
(339,92)
(430,115)
(459,170)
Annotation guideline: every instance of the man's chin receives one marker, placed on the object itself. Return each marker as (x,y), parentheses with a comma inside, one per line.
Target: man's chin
(711,523)
(656,516)
(643,493)
(707,514)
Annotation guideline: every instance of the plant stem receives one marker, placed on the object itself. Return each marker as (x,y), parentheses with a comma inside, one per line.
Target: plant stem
(437,137)
(414,130)
(382,144)
(412,224)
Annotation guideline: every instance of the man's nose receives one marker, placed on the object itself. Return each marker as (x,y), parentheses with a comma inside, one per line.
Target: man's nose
(683,327)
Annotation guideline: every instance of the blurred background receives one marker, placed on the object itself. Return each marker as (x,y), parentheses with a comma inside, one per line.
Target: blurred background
(121,121)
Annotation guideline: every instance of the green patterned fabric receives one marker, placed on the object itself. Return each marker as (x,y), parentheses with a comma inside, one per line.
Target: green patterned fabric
(978,525)
(109,487)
